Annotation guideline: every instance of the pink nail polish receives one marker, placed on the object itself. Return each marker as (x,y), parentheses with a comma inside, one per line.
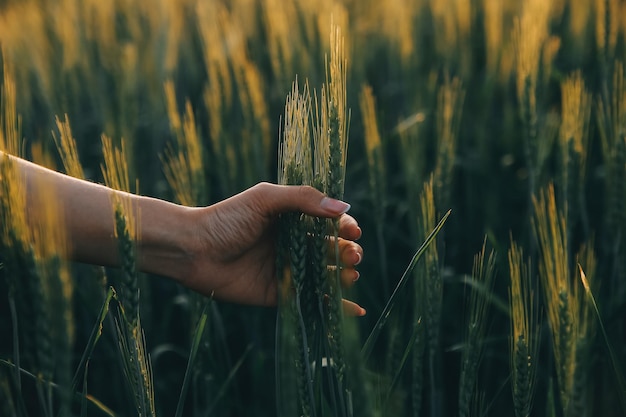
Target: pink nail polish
(360,258)
(356,278)
(336,206)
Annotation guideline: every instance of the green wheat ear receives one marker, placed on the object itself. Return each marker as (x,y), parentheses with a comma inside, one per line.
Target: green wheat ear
(129,290)
(131,340)
(295,168)
(483,273)
(313,152)
(337,144)
(136,364)
(54,288)
(115,172)
(430,269)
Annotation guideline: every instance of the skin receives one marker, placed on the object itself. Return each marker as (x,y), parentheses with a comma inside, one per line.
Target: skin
(226,250)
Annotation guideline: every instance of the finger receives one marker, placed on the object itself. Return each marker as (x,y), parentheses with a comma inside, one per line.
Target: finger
(349,276)
(349,228)
(352,309)
(350,253)
(283,198)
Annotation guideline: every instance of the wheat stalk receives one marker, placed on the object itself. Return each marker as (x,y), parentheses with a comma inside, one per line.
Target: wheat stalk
(373,145)
(37,242)
(312,152)
(530,32)
(338,146)
(563,301)
(183,162)
(483,273)
(10,121)
(449,105)
(135,361)
(295,168)
(573,144)
(433,288)
(585,333)
(234,89)
(66,145)
(377,177)
(611,116)
(50,253)
(554,265)
(607,27)
(115,172)
(524,332)
(493,14)
(136,364)
(14,229)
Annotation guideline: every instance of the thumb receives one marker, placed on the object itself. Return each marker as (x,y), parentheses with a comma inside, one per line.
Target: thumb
(284,198)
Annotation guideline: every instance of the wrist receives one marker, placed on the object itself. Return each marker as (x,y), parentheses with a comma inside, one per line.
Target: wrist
(167,233)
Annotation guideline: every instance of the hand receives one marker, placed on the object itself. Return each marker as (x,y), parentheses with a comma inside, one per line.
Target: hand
(233,252)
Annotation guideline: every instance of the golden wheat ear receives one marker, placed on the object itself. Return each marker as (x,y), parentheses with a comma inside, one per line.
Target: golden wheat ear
(524,345)
(66,146)
(182,161)
(10,121)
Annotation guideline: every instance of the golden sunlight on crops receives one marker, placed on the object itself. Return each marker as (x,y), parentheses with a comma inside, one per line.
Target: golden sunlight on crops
(481,143)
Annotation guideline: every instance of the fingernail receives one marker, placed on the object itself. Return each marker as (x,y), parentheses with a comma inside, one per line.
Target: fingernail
(359,259)
(337,206)
(362,312)
(357,276)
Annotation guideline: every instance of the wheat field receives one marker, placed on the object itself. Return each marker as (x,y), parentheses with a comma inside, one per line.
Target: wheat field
(481,144)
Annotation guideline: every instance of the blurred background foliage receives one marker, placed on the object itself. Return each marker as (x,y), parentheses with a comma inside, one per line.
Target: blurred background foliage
(500,107)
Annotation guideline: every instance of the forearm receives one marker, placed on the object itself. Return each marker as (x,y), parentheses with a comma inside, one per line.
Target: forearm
(88,219)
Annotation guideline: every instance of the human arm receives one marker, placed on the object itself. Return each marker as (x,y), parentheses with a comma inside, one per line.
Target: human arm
(227,249)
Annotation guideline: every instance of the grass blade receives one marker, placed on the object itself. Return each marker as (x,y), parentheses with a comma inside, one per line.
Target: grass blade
(103,408)
(229,378)
(382,320)
(83,401)
(618,375)
(195,344)
(409,347)
(16,344)
(93,401)
(94,337)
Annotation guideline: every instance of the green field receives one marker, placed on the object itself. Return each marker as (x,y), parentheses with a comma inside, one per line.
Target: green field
(511,114)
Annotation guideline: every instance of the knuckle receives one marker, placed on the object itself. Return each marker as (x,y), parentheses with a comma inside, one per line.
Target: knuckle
(262,187)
